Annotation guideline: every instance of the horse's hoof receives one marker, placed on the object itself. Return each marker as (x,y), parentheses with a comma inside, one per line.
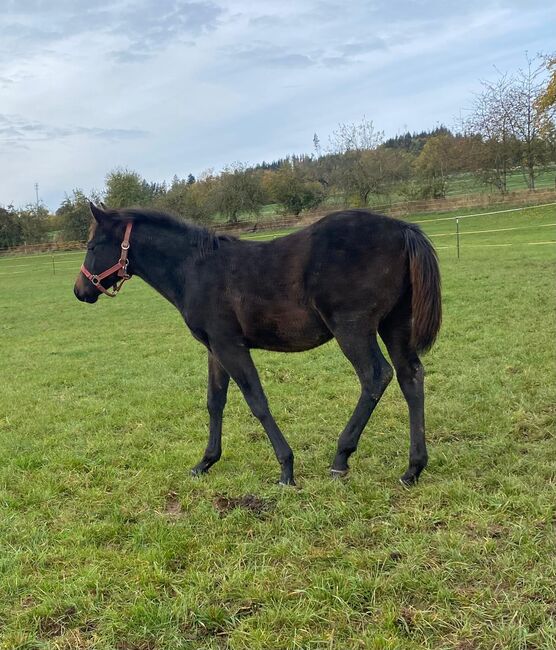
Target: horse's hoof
(290,483)
(338,473)
(197,472)
(408,481)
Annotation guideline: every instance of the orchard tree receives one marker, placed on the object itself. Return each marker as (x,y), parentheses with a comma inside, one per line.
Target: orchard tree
(511,117)
(34,222)
(126,188)
(11,232)
(360,174)
(238,190)
(188,200)
(293,191)
(437,160)
(529,123)
(490,121)
(75,215)
(355,137)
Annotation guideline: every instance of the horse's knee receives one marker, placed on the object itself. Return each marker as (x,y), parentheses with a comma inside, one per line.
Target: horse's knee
(381,380)
(216,404)
(410,374)
(387,374)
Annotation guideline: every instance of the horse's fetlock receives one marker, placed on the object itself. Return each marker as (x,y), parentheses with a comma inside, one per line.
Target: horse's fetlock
(287,458)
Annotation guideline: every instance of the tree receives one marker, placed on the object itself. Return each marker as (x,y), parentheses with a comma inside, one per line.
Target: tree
(316,145)
(126,188)
(293,191)
(355,136)
(360,174)
(191,201)
(33,220)
(489,120)
(75,216)
(362,166)
(546,100)
(514,129)
(527,121)
(11,232)
(238,190)
(437,160)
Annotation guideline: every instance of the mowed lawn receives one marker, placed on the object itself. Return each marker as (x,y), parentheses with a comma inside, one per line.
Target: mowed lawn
(106,542)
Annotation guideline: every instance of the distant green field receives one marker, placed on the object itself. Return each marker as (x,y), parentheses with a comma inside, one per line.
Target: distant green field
(467,183)
(106,542)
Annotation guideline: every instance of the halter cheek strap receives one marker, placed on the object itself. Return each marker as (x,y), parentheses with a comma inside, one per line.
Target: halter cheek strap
(120,267)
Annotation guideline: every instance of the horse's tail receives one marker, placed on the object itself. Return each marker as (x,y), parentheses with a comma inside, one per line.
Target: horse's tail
(426,300)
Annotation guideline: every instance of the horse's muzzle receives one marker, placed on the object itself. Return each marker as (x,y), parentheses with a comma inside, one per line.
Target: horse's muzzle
(83,295)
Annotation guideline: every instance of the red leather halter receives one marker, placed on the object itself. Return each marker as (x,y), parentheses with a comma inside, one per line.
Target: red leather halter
(120,267)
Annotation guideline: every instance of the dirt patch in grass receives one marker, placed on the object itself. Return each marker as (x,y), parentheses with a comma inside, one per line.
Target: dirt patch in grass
(56,624)
(172,505)
(254,504)
(406,621)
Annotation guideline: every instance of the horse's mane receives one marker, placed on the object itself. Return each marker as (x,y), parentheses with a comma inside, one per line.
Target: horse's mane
(199,237)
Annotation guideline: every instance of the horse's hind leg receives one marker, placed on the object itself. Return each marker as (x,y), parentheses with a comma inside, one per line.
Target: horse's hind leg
(375,373)
(396,334)
(218,381)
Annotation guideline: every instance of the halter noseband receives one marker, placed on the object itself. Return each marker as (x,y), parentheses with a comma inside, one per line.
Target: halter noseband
(120,267)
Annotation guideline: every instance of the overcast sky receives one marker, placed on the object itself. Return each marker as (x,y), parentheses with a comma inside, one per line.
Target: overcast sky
(175,86)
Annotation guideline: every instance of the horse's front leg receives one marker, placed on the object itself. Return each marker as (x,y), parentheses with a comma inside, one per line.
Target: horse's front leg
(237,361)
(217,391)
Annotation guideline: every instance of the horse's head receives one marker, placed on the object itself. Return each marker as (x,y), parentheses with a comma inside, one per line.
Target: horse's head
(105,263)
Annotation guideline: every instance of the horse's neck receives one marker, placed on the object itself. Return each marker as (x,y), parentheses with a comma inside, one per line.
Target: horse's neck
(159,258)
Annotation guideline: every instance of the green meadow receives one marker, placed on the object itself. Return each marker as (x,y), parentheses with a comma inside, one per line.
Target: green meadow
(107,542)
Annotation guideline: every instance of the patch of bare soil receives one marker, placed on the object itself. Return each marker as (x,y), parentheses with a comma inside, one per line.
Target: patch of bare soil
(254,504)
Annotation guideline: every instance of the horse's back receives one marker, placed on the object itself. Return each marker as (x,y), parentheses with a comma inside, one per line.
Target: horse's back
(357,263)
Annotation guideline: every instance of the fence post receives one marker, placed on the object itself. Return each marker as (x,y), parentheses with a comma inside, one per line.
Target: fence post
(457,235)
(53,266)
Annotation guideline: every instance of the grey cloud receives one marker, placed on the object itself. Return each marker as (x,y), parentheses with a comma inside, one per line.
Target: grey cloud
(335,61)
(278,56)
(130,55)
(146,26)
(373,44)
(152,26)
(264,21)
(274,55)
(15,130)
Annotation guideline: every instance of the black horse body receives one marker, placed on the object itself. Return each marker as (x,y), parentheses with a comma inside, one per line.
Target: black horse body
(349,276)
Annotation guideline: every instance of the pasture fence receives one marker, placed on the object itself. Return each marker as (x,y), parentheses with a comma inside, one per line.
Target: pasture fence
(55,256)
(524,198)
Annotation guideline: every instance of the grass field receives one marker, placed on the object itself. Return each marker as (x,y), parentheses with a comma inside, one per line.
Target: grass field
(106,542)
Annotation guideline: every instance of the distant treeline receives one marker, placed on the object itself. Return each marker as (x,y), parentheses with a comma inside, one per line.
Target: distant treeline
(510,128)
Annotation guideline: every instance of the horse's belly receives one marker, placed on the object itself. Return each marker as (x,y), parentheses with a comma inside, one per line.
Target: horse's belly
(286,329)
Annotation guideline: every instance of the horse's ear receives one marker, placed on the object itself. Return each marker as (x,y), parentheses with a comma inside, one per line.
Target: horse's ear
(98,213)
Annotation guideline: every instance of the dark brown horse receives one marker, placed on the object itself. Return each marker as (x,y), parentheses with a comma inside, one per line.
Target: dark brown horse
(350,276)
